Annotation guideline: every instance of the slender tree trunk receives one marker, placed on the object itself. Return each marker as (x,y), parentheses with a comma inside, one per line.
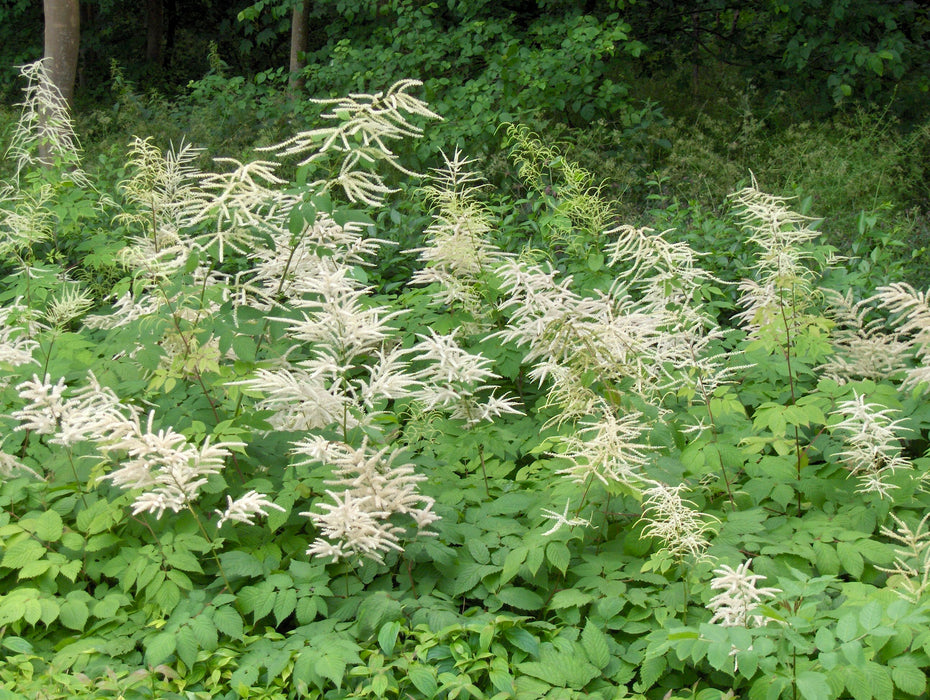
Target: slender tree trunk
(62,39)
(300,28)
(154,32)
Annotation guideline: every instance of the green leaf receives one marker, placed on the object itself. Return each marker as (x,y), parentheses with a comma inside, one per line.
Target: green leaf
(228,621)
(204,630)
(424,679)
(512,563)
(186,646)
(857,683)
(331,666)
(847,627)
(522,639)
(159,647)
(478,550)
(31,569)
(850,557)
(880,680)
(375,610)
(258,600)
(595,645)
(168,596)
(184,560)
(650,671)
(569,598)
(814,686)
(520,598)
(21,552)
(387,636)
(73,614)
(237,563)
(284,604)
(469,574)
(909,678)
(47,526)
(870,616)
(558,555)
(18,645)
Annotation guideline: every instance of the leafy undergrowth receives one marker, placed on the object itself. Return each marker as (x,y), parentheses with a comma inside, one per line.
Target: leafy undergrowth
(247,455)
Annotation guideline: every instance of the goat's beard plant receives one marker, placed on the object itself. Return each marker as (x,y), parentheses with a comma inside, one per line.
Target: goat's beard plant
(247,322)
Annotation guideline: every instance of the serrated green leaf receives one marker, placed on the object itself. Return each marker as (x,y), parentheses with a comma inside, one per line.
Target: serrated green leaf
(522,639)
(50,610)
(595,645)
(478,550)
(167,596)
(47,526)
(73,614)
(870,616)
(184,560)
(850,558)
(558,555)
(512,563)
(21,553)
(857,683)
(186,646)
(650,671)
(847,627)
(520,598)
(880,681)
(258,600)
(814,686)
(331,666)
(204,631)
(375,610)
(31,569)
(32,611)
(284,604)
(108,607)
(824,639)
(228,621)
(909,678)
(238,563)
(569,598)
(159,647)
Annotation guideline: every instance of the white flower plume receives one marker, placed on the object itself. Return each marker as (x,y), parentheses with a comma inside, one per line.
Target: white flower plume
(873,448)
(734,606)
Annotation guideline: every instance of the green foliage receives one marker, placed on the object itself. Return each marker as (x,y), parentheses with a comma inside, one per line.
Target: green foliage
(550,436)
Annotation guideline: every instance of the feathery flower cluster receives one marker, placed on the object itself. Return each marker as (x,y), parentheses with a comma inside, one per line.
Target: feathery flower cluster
(16,347)
(611,449)
(873,450)
(167,468)
(671,519)
(245,508)
(358,521)
(44,128)
(910,575)
(562,520)
(734,606)
(367,123)
(453,379)
(459,250)
(784,286)
(912,309)
(863,349)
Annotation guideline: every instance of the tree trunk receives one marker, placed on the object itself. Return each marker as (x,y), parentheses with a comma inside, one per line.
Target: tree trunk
(300,28)
(62,39)
(155,30)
